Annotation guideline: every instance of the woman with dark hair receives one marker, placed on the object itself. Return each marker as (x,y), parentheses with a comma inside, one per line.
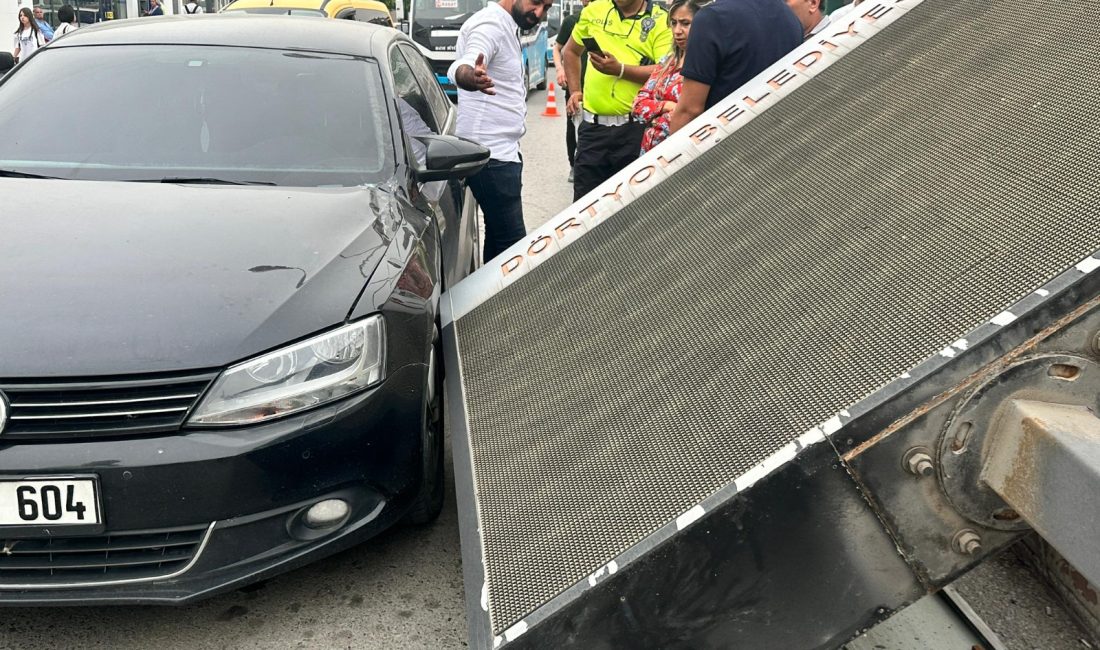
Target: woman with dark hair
(28,38)
(67,15)
(656,100)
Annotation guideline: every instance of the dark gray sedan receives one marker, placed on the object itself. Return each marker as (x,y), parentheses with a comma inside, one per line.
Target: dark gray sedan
(224,242)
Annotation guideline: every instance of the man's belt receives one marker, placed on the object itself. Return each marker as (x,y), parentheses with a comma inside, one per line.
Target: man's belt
(606,120)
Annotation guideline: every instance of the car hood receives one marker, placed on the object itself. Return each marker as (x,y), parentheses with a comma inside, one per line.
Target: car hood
(103,278)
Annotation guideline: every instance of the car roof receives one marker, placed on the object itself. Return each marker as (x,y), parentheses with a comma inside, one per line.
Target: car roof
(320,5)
(240,29)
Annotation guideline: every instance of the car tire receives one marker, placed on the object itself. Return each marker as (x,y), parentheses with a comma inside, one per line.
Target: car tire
(429,499)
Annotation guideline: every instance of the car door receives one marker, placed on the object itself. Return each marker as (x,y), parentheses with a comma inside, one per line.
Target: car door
(424,109)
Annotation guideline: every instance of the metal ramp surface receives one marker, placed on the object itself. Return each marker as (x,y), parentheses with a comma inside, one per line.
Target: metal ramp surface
(683,411)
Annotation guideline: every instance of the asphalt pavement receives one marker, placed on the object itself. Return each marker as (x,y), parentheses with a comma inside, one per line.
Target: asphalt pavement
(404,588)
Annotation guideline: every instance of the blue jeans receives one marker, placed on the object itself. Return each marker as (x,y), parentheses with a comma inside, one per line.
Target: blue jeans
(497,188)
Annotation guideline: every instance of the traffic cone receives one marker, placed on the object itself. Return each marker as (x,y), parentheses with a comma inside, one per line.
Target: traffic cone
(551,102)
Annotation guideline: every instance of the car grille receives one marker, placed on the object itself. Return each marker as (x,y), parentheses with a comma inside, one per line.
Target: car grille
(128,557)
(101,407)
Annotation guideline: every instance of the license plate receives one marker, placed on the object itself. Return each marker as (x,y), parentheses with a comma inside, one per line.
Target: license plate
(59,501)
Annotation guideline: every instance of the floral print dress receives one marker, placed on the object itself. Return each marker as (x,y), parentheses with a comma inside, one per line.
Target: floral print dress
(649,105)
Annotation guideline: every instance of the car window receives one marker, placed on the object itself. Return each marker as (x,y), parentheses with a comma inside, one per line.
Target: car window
(437,100)
(230,113)
(413,107)
(374,17)
(416,112)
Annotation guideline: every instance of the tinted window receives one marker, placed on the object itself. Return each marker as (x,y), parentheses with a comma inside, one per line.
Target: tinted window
(241,114)
(373,16)
(437,101)
(416,112)
(412,106)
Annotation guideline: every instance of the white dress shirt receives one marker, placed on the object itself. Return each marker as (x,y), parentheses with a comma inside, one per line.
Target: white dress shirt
(494,121)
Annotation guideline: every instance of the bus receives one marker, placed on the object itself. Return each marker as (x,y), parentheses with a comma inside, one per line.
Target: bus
(433,25)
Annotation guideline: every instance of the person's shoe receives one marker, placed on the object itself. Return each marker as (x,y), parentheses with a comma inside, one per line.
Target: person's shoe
(570,174)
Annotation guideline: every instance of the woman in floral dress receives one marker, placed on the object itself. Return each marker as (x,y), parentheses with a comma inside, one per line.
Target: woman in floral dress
(657,98)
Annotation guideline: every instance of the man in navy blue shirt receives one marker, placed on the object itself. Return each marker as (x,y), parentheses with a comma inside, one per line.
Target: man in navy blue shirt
(731,42)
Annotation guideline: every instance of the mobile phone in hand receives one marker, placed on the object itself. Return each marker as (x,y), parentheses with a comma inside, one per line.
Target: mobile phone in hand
(591,45)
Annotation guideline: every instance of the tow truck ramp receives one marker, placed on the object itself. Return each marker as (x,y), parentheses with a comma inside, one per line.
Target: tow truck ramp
(810,359)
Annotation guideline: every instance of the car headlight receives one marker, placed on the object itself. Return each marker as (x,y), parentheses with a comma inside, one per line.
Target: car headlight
(297,377)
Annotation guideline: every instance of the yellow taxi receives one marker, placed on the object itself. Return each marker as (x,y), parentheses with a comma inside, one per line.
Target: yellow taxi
(369,11)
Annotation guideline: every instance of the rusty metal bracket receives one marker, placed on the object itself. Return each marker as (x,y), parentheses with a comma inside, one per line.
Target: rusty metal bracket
(921,470)
(1045,463)
(965,445)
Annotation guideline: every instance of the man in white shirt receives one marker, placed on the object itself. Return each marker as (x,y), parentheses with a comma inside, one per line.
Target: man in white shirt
(492,109)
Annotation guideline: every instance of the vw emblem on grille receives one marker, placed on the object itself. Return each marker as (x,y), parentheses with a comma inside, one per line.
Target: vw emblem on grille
(3,411)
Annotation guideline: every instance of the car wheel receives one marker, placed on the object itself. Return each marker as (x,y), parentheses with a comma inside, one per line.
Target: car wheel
(429,498)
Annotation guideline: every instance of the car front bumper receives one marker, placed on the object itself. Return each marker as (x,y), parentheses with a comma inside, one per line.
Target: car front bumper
(239,492)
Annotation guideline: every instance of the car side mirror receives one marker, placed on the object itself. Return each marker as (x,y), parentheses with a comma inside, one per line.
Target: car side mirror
(449,157)
(7,62)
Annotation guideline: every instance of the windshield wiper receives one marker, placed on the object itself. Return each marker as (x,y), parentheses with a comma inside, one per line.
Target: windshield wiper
(11,173)
(200,180)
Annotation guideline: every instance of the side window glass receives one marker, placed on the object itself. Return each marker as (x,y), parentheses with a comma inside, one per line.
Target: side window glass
(373,16)
(412,106)
(437,100)
(416,112)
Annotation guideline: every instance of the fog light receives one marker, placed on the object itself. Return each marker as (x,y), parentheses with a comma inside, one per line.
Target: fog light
(326,514)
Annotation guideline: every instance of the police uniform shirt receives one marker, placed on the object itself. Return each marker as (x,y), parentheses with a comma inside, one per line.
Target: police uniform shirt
(641,39)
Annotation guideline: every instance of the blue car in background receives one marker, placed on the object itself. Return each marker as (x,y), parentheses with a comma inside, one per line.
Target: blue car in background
(533,44)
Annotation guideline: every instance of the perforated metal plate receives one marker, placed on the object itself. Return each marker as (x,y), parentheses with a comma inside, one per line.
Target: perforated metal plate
(931,177)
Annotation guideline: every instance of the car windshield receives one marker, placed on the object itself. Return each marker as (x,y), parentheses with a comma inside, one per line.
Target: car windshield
(445,10)
(226,114)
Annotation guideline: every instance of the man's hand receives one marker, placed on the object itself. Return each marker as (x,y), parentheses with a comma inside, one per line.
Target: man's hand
(575,103)
(668,107)
(475,78)
(561,77)
(606,63)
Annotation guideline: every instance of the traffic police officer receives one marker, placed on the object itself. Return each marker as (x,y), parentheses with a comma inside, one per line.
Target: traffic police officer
(626,38)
